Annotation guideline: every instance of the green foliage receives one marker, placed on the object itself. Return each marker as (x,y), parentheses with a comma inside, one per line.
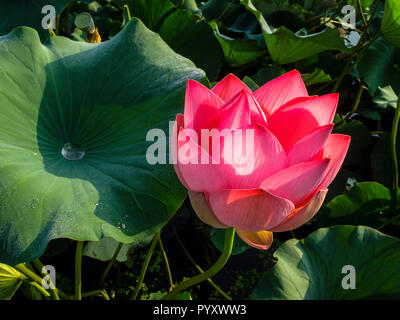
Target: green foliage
(381,160)
(218,237)
(238,52)
(361,143)
(385,97)
(380,66)
(366,203)
(105,97)
(26,13)
(391,22)
(66,91)
(316,77)
(312,268)
(285,46)
(10,280)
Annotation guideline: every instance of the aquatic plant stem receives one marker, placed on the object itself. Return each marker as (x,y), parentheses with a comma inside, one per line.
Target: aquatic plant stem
(209,280)
(102,293)
(226,253)
(43,291)
(128,12)
(78,270)
(110,264)
(37,281)
(145,266)
(355,105)
(350,65)
(363,17)
(395,164)
(164,254)
(395,186)
(25,270)
(40,266)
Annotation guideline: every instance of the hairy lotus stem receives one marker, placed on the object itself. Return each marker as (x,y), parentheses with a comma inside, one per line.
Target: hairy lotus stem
(226,253)
(127,11)
(110,264)
(164,254)
(145,266)
(212,283)
(78,270)
(349,66)
(393,137)
(40,267)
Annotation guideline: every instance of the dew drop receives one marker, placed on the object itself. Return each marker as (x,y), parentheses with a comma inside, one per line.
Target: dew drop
(72,152)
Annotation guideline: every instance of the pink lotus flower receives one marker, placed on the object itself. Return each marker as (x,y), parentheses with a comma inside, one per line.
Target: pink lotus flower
(295,155)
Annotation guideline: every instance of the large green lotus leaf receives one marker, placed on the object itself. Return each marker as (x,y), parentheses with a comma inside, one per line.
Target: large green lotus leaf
(312,268)
(103,98)
(380,66)
(285,46)
(390,26)
(26,13)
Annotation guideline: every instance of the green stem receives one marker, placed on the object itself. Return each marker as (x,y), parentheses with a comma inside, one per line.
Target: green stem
(388,222)
(228,244)
(43,291)
(212,283)
(25,270)
(355,105)
(145,266)
(363,17)
(160,244)
(224,11)
(393,137)
(102,293)
(128,12)
(350,65)
(39,266)
(78,270)
(110,264)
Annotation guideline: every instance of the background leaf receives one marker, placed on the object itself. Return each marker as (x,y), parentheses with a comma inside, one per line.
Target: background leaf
(381,160)
(363,204)
(192,37)
(312,268)
(390,27)
(26,13)
(285,46)
(380,65)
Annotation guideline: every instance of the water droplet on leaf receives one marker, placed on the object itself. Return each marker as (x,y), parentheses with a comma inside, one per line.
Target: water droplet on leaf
(72,152)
